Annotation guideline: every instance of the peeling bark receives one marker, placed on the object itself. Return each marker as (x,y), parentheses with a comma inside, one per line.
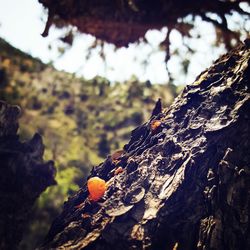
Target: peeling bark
(24,176)
(184,185)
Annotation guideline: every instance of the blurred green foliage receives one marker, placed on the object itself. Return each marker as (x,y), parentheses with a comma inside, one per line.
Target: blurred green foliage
(81,122)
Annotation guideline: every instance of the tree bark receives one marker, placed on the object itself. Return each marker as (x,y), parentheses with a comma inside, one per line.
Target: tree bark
(185,182)
(24,176)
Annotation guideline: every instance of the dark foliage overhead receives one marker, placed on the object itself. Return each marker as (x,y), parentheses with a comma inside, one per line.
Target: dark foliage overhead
(124,21)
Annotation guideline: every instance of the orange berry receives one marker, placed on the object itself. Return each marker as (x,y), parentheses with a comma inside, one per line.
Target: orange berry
(155,124)
(118,170)
(96,187)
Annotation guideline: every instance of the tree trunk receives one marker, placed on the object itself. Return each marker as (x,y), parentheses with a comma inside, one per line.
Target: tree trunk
(185,180)
(24,176)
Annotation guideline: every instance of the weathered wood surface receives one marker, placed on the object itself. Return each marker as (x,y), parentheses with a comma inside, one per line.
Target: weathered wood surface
(185,183)
(24,176)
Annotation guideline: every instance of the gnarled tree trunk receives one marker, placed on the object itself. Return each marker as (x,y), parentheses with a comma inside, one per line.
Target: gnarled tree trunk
(24,176)
(185,180)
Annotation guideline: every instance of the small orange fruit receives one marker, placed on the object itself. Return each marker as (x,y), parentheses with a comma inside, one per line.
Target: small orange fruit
(155,124)
(118,170)
(96,187)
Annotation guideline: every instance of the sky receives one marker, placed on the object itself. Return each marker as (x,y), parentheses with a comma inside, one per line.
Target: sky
(21,25)
(22,22)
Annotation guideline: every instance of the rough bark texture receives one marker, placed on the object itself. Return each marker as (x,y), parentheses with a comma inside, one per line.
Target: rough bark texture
(185,183)
(24,176)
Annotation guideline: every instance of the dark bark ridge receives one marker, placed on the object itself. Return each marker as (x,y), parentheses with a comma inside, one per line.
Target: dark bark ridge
(24,176)
(185,183)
